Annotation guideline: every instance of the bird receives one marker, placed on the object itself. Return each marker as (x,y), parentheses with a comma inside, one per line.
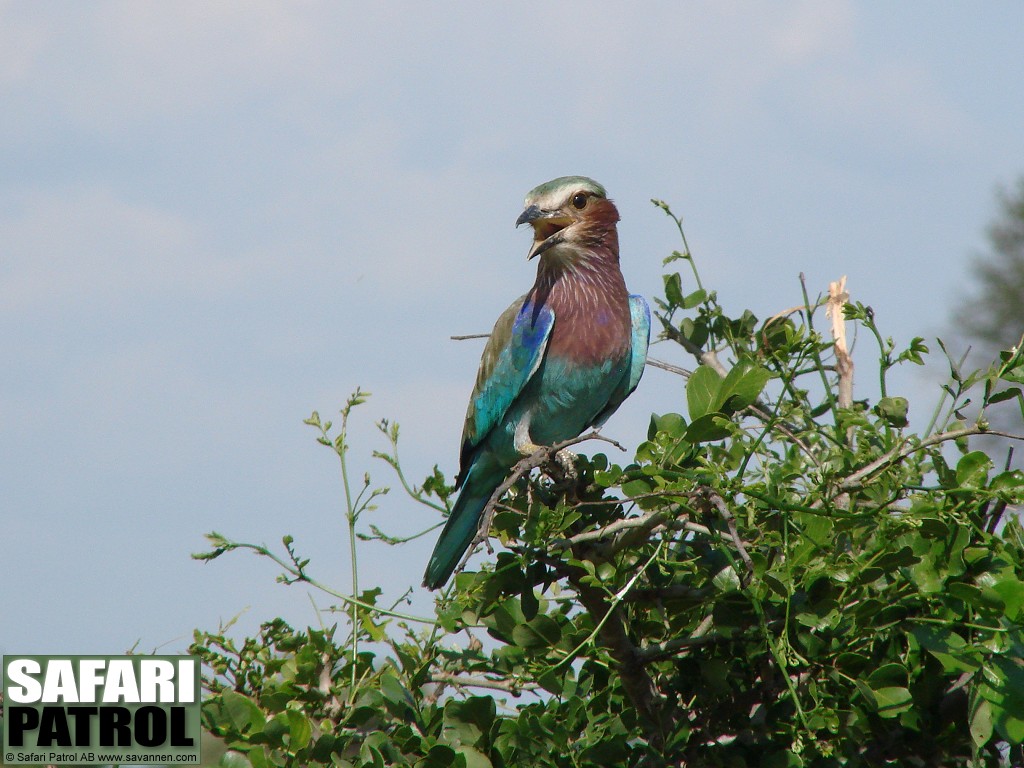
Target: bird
(562,358)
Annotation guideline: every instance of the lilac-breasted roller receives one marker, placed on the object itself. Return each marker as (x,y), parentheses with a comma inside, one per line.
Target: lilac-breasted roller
(561,359)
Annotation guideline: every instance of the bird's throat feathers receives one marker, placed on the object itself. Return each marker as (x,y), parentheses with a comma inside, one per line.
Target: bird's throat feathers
(590,243)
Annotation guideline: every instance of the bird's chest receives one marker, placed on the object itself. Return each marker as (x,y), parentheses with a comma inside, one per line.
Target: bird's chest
(592,326)
(566,396)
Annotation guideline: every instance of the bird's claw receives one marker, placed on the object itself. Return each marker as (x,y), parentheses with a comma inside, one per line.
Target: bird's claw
(566,460)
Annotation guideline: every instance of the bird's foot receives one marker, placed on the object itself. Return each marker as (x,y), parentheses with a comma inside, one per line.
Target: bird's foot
(566,460)
(527,448)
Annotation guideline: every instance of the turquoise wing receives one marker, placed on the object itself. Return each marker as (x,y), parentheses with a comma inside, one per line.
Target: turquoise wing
(513,353)
(640,316)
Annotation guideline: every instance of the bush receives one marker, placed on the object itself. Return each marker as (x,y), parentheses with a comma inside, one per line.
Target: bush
(782,576)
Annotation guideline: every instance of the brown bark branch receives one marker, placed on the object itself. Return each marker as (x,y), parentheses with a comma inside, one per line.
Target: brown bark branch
(630,663)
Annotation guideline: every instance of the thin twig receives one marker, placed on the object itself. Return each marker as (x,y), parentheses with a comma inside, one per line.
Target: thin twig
(684,372)
(707,357)
(758,410)
(470,336)
(714,498)
(473,681)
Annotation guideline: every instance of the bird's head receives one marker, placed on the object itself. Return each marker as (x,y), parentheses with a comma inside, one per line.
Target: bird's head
(568,215)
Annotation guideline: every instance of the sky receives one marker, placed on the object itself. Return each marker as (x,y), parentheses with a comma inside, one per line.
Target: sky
(216,217)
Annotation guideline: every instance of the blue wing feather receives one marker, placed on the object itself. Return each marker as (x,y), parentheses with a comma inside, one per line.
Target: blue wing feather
(513,353)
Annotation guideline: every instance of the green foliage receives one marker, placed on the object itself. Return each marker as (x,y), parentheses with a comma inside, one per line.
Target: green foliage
(774,579)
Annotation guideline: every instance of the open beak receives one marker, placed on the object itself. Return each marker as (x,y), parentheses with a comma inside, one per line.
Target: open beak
(547,228)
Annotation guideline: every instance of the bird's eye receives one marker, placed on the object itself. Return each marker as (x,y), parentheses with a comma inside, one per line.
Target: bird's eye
(579,200)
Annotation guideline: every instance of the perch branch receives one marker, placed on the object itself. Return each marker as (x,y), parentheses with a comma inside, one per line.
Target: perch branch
(525,465)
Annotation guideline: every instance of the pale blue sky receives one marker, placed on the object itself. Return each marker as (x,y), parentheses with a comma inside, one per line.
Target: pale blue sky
(217,217)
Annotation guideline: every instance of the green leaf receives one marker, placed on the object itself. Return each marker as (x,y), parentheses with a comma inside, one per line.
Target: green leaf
(948,647)
(986,599)
(674,289)
(541,632)
(981,722)
(898,559)
(695,298)
(474,757)
(741,387)
(1005,394)
(528,600)
(258,757)
(726,580)
(702,390)
(892,701)
(439,756)
(972,470)
(711,426)
(1011,591)
(1012,481)
(242,712)
(888,675)
(893,410)
(394,691)
(672,424)
(299,730)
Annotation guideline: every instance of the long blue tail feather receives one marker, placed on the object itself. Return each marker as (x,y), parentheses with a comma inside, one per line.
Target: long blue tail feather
(460,529)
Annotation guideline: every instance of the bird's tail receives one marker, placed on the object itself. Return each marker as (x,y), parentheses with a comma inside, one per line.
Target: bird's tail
(460,529)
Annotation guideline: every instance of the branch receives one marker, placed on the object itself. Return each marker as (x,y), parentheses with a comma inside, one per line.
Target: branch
(684,372)
(636,680)
(642,525)
(525,465)
(730,522)
(710,496)
(837,298)
(668,592)
(472,681)
(673,647)
(707,357)
(470,336)
(855,481)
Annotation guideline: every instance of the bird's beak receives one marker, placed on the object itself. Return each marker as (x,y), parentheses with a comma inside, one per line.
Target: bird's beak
(547,228)
(529,216)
